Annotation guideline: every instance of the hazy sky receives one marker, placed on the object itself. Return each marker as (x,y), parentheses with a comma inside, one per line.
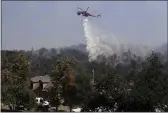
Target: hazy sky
(27,24)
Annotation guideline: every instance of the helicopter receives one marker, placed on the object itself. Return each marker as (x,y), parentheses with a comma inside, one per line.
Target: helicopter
(86,14)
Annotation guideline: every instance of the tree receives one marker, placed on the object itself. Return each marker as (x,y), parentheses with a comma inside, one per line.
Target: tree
(83,83)
(15,84)
(55,90)
(63,76)
(146,90)
(115,88)
(54,96)
(150,87)
(93,103)
(139,89)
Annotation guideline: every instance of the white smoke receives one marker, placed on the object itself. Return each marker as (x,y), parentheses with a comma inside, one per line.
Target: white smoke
(101,43)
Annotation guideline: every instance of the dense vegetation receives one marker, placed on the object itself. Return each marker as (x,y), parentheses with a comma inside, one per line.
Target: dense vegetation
(135,84)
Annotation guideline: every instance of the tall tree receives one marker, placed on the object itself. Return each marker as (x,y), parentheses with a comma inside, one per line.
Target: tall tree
(63,76)
(15,84)
(150,87)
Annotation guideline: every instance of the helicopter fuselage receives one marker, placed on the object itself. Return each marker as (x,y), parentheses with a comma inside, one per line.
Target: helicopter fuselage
(84,13)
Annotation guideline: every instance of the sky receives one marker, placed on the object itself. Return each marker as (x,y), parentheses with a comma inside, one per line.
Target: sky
(52,24)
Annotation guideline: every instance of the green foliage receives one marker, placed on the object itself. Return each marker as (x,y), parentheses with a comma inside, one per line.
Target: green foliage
(15,96)
(149,88)
(63,80)
(112,89)
(150,85)
(15,90)
(20,68)
(54,96)
(133,85)
(143,90)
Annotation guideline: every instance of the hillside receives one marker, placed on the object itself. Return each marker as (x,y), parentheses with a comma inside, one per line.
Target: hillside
(112,75)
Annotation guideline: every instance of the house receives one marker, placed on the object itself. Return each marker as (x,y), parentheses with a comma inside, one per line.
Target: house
(40,85)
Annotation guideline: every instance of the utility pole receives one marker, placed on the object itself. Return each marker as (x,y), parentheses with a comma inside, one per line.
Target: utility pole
(93,76)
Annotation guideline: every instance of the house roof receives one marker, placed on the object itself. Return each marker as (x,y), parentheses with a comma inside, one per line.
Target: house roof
(44,87)
(35,86)
(45,78)
(47,86)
